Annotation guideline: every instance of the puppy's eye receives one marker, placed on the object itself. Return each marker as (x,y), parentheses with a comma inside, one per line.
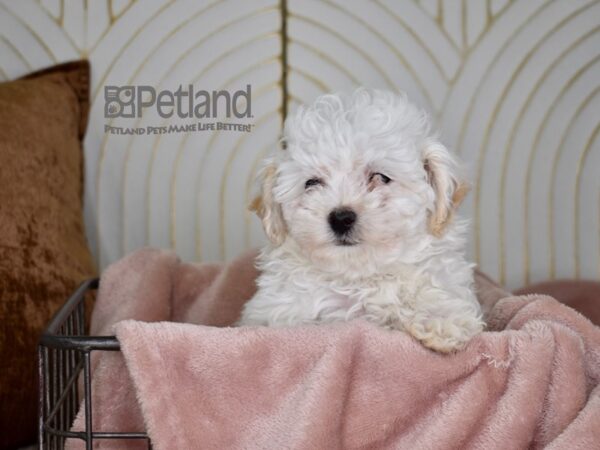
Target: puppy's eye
(379,177)
(313,182)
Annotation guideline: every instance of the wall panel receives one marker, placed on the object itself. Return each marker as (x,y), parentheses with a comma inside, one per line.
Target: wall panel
(513,87)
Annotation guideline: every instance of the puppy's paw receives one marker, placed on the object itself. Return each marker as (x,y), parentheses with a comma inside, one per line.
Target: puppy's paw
(446,335)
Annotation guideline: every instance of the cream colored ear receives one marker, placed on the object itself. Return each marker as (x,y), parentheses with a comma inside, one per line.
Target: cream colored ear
(449,190)
(268,209)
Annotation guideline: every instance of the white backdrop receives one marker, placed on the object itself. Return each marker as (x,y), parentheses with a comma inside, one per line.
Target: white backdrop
(512,85)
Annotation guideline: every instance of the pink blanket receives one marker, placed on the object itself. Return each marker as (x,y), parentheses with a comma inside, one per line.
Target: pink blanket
(530,381)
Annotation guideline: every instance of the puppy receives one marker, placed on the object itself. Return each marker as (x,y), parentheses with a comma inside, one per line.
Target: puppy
(359,211)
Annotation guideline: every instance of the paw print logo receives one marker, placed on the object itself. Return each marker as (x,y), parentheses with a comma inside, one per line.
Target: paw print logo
(113,110)
(119,101)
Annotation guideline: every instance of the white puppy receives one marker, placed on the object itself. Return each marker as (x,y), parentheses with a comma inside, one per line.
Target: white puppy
(358,210)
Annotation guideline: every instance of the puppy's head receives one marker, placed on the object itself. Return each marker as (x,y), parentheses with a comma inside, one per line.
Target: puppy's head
(361,180)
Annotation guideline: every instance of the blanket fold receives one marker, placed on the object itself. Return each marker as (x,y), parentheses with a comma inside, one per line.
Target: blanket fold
(530,381)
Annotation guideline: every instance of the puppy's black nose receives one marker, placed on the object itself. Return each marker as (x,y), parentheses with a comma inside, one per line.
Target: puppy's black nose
(341,220)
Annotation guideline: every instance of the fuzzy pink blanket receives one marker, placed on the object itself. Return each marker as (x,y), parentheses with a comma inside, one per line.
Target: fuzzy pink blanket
(531,381)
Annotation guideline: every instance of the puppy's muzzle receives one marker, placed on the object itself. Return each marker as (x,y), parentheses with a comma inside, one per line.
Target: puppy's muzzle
(342,221)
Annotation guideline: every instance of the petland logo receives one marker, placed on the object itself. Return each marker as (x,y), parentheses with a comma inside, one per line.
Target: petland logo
(133,101)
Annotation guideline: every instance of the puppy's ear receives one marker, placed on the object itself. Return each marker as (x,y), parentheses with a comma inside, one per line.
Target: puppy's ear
(449,190)
(268,209)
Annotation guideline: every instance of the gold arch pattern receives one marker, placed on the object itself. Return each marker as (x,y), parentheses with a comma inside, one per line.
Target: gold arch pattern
(161,42)
(127,188)
(530,163)
(580,165)
(552,194)
(486,140)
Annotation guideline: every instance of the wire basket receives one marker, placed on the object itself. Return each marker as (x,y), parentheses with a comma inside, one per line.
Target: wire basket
(64,353)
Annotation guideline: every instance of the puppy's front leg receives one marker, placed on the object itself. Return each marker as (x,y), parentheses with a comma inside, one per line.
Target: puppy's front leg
(444,321)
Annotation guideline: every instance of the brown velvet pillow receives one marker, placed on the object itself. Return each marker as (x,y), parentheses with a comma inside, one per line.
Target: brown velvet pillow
(43,249)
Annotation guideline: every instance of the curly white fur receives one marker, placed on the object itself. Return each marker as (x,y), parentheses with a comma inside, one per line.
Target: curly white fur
(402,264)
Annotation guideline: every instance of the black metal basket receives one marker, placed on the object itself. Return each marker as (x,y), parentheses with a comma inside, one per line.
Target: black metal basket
(64,353)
